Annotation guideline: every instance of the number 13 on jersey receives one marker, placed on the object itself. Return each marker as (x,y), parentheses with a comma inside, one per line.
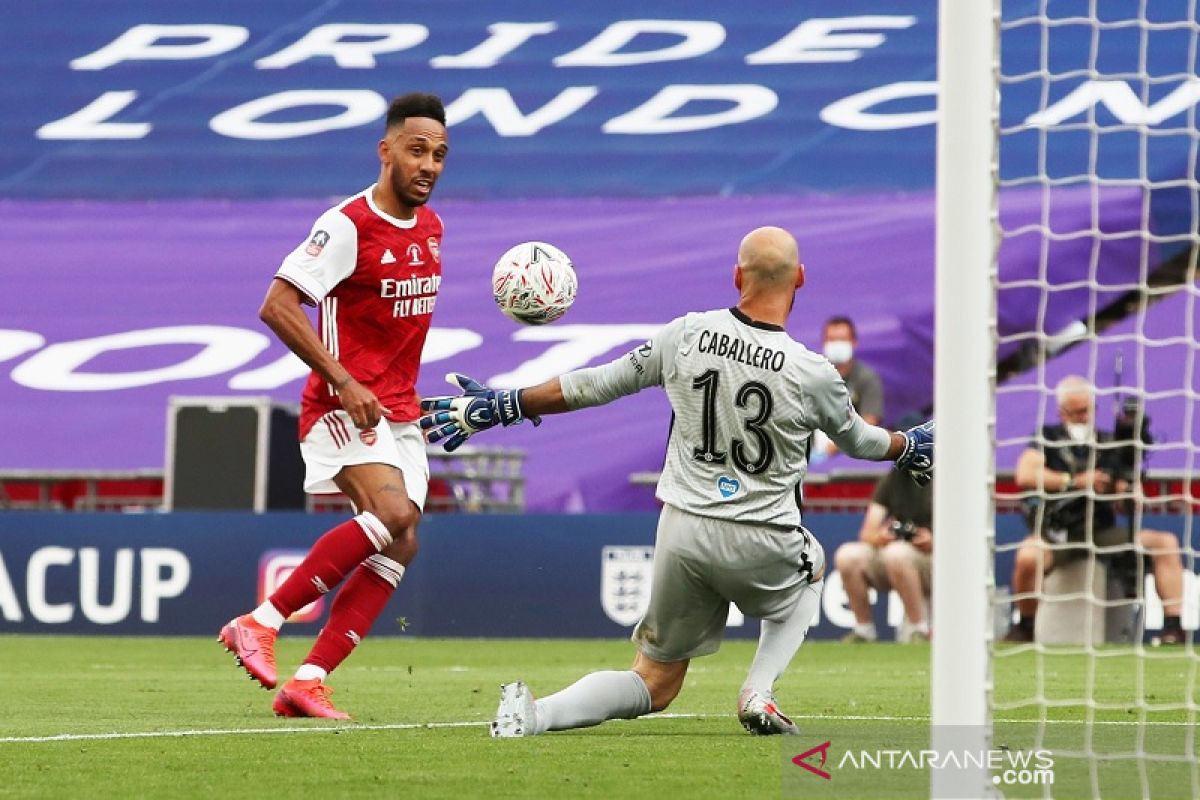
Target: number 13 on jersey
(753,396)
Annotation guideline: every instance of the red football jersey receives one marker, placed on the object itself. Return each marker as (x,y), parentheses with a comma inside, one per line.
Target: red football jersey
(375,279)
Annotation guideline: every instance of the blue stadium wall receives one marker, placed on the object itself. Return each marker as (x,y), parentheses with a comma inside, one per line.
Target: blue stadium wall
(535,575)
(284,99)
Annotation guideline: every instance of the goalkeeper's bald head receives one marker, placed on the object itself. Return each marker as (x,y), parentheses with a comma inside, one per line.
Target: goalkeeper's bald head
(769,260)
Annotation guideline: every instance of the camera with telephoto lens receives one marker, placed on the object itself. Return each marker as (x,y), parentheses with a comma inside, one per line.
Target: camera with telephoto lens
(1129,459)
(904,531)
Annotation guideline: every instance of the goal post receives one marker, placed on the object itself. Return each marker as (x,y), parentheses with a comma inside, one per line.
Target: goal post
(963,389)
(1068,264)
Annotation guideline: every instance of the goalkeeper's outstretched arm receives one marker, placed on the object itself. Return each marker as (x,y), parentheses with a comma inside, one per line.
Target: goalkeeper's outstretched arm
(912,450)
(455,419)
(545,398)
(861,439)
(827,401)
(589,388)
(596,386)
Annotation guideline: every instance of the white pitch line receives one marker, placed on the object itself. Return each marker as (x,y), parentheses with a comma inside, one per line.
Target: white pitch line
(78,737)
(397,726)
(408,726)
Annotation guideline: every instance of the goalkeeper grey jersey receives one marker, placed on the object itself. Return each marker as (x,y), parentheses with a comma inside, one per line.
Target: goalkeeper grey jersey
(746,399)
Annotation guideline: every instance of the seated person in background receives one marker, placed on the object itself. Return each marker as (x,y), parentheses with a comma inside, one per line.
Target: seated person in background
(1073,475)
(893,552)
(838,342)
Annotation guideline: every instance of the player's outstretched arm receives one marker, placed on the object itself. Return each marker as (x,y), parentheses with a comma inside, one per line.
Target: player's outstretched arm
(456,418)
(545,398)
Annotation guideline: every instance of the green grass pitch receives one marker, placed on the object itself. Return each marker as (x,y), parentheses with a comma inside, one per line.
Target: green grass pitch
(420,706)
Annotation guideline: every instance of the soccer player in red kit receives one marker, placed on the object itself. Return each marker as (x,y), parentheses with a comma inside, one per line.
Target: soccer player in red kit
(372,265)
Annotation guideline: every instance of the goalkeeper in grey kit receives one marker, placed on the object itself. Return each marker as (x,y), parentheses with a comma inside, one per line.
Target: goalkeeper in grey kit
(747,398)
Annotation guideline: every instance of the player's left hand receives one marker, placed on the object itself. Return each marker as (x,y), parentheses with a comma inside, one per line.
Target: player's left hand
(917,457)
(456,418)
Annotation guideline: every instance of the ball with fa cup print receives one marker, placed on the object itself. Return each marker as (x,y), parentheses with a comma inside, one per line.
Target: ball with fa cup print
(534,283)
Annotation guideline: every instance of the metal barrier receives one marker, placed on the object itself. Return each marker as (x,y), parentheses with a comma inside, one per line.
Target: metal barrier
(1163,492)
(474,480)
(471,479)
(80,490)
(480,479)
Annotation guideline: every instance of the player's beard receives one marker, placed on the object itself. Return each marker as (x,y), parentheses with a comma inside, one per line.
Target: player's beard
(399,188)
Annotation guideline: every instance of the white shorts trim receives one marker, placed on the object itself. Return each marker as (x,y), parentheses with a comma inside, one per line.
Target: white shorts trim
(334,443)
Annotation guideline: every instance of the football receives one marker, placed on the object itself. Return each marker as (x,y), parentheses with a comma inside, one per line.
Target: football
(534,283)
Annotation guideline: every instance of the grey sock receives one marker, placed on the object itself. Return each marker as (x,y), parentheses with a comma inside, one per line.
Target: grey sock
(779,641)
(594,698)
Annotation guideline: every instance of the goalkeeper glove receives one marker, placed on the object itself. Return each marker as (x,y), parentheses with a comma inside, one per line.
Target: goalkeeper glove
(917,457)
(456,418)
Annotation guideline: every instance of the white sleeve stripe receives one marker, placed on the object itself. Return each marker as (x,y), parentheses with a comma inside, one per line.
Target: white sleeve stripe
(328,326)
(333,328)
(329,335)
(325,334)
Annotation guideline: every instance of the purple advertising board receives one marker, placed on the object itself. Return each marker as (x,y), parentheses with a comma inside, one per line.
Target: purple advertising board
(110,309)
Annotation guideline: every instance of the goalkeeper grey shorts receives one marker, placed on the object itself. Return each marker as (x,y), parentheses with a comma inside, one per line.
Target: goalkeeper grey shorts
(701,565)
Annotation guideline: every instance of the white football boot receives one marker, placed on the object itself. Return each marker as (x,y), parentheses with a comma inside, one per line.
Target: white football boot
(760,715)
(516,714)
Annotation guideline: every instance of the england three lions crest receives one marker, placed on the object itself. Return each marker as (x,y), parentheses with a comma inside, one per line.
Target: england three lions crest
(625,574)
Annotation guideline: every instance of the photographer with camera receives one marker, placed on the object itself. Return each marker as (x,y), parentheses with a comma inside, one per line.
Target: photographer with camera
(1078,472)
(893,551)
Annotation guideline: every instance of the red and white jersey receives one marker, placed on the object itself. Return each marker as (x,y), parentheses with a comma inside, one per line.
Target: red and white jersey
(375,279)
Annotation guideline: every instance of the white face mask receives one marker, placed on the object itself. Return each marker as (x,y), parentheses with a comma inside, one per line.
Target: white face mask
(839,351)
(1079,431)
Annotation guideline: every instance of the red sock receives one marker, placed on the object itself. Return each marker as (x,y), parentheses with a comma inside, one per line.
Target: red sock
(334,554)
(355,608)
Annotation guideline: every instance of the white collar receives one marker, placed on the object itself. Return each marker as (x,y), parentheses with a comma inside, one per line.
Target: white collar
(399,223)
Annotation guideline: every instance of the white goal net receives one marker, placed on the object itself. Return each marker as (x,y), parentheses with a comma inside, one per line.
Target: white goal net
(1096,383)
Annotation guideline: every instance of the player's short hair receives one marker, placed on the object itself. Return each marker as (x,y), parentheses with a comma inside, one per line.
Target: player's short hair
(415,104)
(842,320)
(1073,385)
